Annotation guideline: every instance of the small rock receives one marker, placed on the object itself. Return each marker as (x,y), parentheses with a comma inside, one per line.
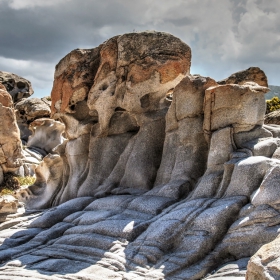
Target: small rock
(17,86)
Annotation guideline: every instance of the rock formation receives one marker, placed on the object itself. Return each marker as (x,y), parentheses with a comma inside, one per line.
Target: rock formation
(163,175)
(10,144)
(46,136)
(29,110)
(265,264)
(17,86)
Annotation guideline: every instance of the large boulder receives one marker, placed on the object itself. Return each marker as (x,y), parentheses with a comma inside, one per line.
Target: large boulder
(115,96)
(11,149)
(17,86)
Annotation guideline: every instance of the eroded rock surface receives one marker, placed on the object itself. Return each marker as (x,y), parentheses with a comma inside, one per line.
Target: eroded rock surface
(252,74)
(272,117)
(126,93)
(10,144)
(163,175)
(17,86)
(265,264)
(29,110)
(8,205)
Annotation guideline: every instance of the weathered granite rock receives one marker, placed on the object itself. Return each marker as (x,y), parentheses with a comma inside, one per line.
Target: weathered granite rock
(164,175)
(185,148)
(265,264)
(46,135)
(123,85)
(10,149)
(252,74)
(17,86)
(49,179)
(233,129)
(235,270)
(8,204)
(73,78)
(272,118)
(29,110)
(33,108)
(232,104)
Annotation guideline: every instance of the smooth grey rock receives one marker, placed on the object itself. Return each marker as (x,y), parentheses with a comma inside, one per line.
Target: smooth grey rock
(230,271)
(248,175)
(57,214)
(269,190)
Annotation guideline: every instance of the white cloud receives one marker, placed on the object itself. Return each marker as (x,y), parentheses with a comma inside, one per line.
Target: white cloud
(25,4)
(225,35)
(39,74)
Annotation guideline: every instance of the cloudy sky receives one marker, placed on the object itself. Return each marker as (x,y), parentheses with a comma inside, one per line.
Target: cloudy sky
(225,35)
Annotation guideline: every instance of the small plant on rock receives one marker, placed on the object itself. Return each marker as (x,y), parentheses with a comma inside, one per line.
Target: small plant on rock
(28,180)
(272,104)
(11,183)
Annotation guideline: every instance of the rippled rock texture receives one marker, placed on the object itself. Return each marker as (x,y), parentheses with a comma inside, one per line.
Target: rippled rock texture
(163,175)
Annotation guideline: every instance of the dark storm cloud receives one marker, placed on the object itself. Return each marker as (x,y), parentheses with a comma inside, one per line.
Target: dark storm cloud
(44,33)
(225,35)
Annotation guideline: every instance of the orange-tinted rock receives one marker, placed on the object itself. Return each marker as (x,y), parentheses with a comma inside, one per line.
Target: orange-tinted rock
(252,74)
(148,66)
(5,97)
(10,144)
(74,76)
(133,71)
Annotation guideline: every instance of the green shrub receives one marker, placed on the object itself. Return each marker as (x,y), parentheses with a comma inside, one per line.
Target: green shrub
(272,104)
